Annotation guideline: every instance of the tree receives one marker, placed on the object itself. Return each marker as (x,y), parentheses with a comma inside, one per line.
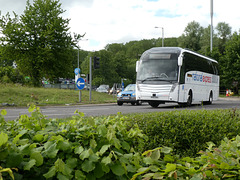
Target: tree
(224,32)
(40,41)
(230,63)
(191,36)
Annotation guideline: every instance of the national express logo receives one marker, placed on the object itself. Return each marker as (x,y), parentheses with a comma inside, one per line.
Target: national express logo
(200,78)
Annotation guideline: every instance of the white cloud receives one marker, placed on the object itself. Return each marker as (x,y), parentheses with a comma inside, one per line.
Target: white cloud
(120,21)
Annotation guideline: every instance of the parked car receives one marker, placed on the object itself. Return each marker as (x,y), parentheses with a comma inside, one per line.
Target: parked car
(103,88)
(128,96)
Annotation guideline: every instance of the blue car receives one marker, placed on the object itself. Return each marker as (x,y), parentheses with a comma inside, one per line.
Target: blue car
(128,96)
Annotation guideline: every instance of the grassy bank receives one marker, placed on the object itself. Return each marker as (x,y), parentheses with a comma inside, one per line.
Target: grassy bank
(17,95)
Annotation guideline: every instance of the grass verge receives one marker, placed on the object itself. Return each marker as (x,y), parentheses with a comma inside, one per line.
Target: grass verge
(17,95)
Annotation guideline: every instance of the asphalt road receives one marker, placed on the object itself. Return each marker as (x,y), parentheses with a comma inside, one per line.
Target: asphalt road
(108,109)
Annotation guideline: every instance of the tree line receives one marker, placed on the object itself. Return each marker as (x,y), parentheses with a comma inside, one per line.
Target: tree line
(38,44)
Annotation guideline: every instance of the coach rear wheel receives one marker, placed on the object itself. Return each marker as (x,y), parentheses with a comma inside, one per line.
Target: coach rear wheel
(210,100)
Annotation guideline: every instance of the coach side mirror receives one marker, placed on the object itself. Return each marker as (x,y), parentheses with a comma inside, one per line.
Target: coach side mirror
(137,64)
(180,60)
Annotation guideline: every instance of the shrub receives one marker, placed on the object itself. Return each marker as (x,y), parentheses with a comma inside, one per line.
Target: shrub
(215,163)
(80,148)
(187,131)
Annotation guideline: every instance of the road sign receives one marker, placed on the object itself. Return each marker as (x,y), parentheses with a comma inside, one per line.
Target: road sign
(80,83)
(77,71)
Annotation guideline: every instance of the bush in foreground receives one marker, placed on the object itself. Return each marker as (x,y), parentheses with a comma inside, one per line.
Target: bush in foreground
(215,163)
(81,148)
(187,132)
(110,147)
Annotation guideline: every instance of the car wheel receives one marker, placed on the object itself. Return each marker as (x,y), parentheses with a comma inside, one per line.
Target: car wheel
(154,104)
(119,103)
(139,103)
(132,103)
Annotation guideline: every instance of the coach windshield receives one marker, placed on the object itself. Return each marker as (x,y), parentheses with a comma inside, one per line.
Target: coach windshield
(160,67)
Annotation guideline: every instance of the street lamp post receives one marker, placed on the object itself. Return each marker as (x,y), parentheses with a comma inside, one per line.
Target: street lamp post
(162,35)
(211,33)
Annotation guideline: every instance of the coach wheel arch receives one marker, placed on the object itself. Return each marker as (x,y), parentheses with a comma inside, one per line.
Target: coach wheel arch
(189,98)
(210,99)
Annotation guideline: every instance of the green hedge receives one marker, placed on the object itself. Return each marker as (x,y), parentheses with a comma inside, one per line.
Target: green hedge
(80,148)
(110,147)
(187,131)
(215,163)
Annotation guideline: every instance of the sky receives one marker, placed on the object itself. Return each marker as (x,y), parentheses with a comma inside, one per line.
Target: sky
(120,21)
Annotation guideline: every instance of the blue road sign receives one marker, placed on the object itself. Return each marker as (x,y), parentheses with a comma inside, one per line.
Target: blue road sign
(80,83)
(77,71)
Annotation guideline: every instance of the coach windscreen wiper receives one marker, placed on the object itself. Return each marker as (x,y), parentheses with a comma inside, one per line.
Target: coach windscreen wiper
(157,78)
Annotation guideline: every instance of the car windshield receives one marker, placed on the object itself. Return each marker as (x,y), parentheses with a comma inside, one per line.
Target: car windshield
(103,87)
(130,87)
(158,68)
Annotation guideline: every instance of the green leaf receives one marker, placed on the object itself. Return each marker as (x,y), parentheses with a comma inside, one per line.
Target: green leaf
(93,143)
(131,168)
(38,137)
(52,151)
(125,145)
(148,160)
(60,176)
(155,155)
(50,173)
(79,175)
(63,145)
(102,130)
(8,170)
(3,138)
(166,150)
(93,158)
(106,160)
(98,171)
(104,149)
(72,162)
(85,154)
(60,165)
(170,167)
(14,159)
(30,164)
(88,166)
(81,114)
(224,165)
(168,158)
(158,175)
(3,112)
(31,108)
(38,157)
(118,169)
(148,175)
(117,143)
(78,150)
(105,168)
(57,138)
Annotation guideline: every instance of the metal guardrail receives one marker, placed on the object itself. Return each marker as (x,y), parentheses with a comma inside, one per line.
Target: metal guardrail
(60,86)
